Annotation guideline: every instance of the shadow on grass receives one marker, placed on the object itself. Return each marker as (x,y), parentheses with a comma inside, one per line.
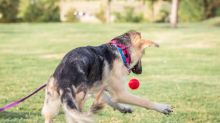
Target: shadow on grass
(17,115)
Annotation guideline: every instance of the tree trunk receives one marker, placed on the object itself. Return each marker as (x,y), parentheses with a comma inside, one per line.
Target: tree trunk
(174,13)
(152,9)
(108,11)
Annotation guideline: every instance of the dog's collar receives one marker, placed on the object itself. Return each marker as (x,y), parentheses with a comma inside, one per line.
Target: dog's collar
(122,56)
(123,51)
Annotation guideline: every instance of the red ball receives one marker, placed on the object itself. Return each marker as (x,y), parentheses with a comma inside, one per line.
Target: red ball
(133,83)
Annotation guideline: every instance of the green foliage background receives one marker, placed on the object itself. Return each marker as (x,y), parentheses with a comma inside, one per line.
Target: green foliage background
(9,10)
(129,16)
(70,16)
(48,11)
(42,11)
(191,10)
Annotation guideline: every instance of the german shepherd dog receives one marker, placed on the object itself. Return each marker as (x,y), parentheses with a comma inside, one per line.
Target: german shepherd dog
(101,72)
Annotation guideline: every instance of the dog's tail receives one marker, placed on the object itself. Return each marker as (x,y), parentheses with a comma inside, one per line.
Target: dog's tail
(72,111)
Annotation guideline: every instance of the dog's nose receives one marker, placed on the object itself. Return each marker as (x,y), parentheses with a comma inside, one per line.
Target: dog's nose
(156,45)
(137,69)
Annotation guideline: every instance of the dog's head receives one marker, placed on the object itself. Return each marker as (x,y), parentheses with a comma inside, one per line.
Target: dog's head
(138,45)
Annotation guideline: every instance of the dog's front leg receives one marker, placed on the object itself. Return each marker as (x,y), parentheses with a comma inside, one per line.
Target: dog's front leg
(123,96)
(127,98)
(120,107)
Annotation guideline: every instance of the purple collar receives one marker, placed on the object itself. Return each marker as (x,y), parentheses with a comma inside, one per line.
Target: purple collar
(123,50)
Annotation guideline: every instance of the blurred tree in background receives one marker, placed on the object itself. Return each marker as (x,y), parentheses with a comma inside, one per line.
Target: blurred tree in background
(70,17)
(211,7)
(129,16)
(154,10)
(197,10)
(8,10)
(191,10)
(42,11)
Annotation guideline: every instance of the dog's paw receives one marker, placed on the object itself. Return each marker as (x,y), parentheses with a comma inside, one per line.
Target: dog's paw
(163,108)
(124,108)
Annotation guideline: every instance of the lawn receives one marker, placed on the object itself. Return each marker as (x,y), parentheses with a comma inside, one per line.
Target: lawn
(184,71)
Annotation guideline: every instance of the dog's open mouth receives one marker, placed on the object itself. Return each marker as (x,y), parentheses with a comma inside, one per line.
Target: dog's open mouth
(137,69)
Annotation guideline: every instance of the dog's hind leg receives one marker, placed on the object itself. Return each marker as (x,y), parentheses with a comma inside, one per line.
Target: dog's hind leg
(98,103)
(52,101)
(71,108)
(103,97)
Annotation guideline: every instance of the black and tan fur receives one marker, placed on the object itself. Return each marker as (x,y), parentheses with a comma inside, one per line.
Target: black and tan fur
(98,71)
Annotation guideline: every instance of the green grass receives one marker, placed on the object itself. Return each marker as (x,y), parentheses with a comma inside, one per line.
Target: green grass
(184,71)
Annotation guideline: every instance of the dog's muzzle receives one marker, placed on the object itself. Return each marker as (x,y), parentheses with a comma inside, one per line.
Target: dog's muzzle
(137,69)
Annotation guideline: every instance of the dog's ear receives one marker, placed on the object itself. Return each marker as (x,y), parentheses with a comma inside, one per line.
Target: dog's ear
(135,36)
(148,43)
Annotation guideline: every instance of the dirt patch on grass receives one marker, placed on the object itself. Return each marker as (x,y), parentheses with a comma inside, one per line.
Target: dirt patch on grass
(193,45)
(198,45)
(52,56)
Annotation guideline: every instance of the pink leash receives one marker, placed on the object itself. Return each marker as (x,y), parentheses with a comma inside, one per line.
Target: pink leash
(22,99)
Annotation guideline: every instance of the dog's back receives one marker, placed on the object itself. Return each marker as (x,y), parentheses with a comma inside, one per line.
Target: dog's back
(83,65)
